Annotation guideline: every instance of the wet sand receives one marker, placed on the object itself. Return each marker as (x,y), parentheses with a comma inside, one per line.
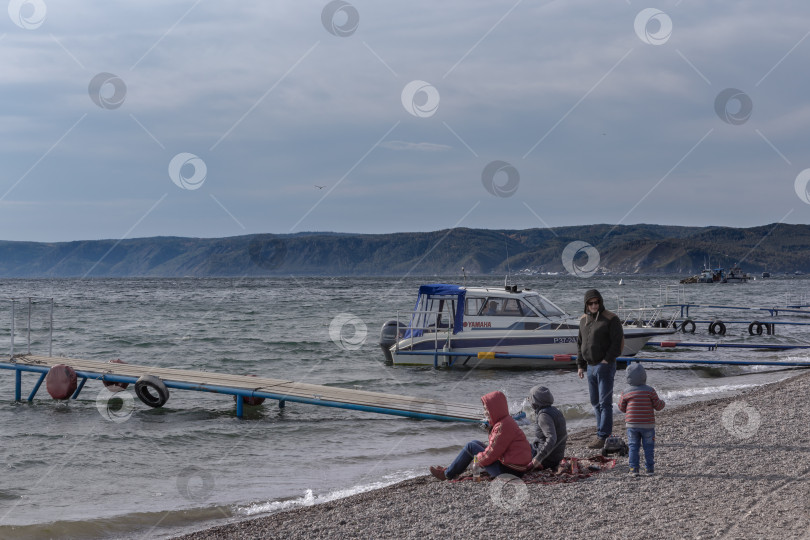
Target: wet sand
(735,467)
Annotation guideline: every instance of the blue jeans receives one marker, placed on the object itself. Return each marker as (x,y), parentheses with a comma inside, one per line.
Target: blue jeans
(465,457)
(645,437)
(600,387)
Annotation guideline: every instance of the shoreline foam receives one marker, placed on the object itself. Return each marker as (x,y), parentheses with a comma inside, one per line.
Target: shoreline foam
(730,467)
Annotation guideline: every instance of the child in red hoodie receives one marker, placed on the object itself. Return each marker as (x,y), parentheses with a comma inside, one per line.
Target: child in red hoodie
(508,450)
(639,402)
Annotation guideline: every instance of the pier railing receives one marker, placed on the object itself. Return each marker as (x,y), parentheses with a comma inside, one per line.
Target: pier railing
(797,300)
(646,316)
(24,312)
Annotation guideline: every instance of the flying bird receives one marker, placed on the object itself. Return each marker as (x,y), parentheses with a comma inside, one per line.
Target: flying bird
(319,187)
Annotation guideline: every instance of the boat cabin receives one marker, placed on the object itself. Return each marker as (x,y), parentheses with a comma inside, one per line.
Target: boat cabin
(441,306)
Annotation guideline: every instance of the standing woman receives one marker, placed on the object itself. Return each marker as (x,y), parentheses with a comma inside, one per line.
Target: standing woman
(599,342)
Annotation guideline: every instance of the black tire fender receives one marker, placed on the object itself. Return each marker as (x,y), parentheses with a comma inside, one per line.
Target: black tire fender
(152,391)
(717,327)
(688,326)
(755,328)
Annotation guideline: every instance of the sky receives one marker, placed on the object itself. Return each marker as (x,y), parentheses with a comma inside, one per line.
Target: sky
(216,119)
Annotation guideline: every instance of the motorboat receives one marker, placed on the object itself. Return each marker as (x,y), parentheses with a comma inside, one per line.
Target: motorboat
(485,327)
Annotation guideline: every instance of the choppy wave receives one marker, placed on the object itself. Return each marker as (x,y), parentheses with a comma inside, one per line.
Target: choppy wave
(134,525)
(309,498)
(9,496)
(701,391)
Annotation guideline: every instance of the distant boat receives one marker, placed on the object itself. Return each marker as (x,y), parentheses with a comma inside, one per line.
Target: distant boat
(736,275)
(621,281)
(707,275)
(766,274)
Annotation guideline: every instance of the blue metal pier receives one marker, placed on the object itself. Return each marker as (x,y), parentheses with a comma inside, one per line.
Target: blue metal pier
(773,311)
(718,345)
(245,386)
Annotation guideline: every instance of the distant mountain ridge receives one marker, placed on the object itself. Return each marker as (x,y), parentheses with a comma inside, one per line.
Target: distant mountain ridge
(644,249)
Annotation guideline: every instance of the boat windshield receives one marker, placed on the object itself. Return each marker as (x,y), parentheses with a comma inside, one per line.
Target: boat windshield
(497,306)
(544,306)
(532,305)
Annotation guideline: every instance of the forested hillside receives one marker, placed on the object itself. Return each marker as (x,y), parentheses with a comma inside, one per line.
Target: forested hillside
(643,249)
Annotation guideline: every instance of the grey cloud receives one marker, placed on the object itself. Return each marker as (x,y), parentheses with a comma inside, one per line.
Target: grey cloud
(505,83)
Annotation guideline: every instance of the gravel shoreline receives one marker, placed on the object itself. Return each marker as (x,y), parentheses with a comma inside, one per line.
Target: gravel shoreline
(733,467)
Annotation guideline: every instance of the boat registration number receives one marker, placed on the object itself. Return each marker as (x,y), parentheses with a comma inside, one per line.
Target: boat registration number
(569,339)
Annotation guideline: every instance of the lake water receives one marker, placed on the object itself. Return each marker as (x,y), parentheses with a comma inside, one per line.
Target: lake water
(71,471)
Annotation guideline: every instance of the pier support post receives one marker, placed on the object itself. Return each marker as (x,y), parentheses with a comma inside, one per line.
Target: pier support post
(36,387)
(50,331)
(13,325)
(79,388)
(29,326)
(239,406)
(17,384)
(282,404)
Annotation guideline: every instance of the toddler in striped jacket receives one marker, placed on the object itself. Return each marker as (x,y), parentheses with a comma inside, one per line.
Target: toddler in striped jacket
(639,403)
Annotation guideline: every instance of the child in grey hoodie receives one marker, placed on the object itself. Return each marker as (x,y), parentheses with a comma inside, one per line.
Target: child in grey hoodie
(639,403)
(550,432)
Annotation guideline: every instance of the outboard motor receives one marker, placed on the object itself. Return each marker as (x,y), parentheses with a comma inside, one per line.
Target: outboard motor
(390,333)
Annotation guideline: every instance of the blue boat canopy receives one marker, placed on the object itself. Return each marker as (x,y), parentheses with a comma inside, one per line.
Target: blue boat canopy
(431,304)
(442,289)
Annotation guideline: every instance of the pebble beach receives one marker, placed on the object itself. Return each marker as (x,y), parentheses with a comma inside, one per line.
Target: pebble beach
(735,467)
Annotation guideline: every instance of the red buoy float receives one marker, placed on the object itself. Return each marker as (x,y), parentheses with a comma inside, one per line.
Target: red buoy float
(61,381)
(252,401)
(115,386)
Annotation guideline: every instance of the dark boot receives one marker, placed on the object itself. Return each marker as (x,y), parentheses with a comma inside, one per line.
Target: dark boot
(597,442)
(438,472)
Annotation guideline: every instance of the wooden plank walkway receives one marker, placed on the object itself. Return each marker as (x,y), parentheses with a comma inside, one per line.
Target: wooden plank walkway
(278,389)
